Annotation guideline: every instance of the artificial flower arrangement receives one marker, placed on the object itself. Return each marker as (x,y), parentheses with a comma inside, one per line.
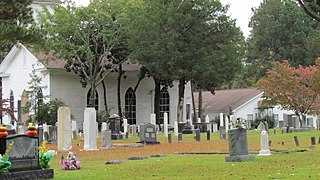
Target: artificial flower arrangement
(3,131)
(45,156)
(71,162)
(31,130)
(4,160)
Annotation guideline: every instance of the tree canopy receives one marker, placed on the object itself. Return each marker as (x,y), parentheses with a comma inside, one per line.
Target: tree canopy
(295,89)
(311,7)
(16,24)
(185,40)
(280,31)
(88,38)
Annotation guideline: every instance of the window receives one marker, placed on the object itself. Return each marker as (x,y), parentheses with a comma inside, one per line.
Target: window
(11,100)
(250,117)
(164,104)
(130,106)
(96,100)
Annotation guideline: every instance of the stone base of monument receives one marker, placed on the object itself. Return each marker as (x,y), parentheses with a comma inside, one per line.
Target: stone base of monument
(148,143)
(31,174)
(116,136)
(239,158)
(264,153)
(187,131)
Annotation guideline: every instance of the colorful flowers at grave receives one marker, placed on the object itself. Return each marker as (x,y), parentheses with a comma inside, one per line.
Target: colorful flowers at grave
(44,156)
(4,160)
(32,131)
(71,162)
(3,132)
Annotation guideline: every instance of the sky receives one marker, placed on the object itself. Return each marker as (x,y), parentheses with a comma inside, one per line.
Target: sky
(239,9)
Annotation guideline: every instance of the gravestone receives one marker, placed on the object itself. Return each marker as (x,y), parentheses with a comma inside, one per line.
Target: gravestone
(115,122)
(198,135)
(53,134)
(222,133)
(214,127)
(106,139)
(24,152)
(104,126)
(165,124)
(221,120)
(180,138)
(313,140)
(169,138)
(125,125)
(208,135)
(89,129)
(238,146)
(175,126)
(264,141)
(74,129)
(187,128)
(22,129)
(148,134)
(64,128)
(153,119)
(40,134)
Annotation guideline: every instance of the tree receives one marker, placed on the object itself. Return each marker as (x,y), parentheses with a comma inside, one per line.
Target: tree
(180,40)
(36,98)
(295,89)
(16,24)
(280,31)
(87,38)
(311,8)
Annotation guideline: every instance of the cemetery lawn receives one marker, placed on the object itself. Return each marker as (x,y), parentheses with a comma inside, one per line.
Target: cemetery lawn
(286,162)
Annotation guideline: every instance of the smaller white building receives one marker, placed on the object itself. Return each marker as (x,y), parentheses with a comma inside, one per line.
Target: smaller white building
(246,104)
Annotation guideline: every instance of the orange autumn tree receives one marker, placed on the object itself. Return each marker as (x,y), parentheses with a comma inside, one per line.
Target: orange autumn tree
(295,89)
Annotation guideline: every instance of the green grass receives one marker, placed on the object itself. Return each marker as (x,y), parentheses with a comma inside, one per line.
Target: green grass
(294,165)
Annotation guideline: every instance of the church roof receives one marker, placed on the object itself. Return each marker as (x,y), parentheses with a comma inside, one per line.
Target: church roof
(46,1)
(222,99)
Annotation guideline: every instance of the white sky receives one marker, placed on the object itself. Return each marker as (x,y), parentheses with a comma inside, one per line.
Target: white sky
(239,9)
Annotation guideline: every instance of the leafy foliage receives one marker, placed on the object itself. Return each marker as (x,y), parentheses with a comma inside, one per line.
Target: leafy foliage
(16,24)
(48,112)
(280,31)
(295,89)
(185,40)
(88,38)
(311,7)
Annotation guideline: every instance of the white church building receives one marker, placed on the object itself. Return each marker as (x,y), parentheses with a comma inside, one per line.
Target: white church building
(17,66)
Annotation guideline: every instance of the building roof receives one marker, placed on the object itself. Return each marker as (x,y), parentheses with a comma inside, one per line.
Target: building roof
(222,99)
(46,1)
(51,63)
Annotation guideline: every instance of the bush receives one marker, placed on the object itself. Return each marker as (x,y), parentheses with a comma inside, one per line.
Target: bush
(267,119)
(48,112)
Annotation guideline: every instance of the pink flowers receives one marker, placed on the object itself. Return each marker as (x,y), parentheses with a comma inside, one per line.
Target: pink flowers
(70,162)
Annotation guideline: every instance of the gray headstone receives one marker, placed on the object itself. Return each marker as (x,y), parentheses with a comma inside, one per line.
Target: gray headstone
(53,134)
(106,139)
(148,133)
(179,137)
(222,131)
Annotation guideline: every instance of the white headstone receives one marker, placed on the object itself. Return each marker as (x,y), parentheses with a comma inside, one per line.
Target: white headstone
(103,126)
(165,124)
(264,141)
(153,119)
(227,124)
(64,128)
(207,119)
(175,125)
(125,125)
(89,129)
(214,127)
(45,128)
(221,119)
(74,126)
(199,120)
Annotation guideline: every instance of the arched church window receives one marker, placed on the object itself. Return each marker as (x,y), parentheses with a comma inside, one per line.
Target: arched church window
(130,106)
(164,103)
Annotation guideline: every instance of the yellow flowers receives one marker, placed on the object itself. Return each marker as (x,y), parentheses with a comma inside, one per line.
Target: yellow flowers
(9,148)
(42,147)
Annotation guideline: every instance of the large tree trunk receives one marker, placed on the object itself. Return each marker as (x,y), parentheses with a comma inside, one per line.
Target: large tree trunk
(157,100)
(180,100)
(119,90)
(194,117)
(105,98)
(200,104)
